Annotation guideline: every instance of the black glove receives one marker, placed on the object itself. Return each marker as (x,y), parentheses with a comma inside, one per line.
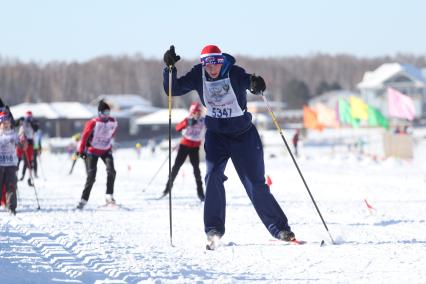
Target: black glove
(192,121)
(257,85)
(82,155)
(170,57)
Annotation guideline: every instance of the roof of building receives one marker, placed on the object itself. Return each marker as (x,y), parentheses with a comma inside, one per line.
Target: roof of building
(332,95)
(124,101)
(162,117)
(375,79)
(55,110)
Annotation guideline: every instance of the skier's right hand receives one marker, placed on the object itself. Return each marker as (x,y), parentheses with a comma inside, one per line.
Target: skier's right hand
(82,155)
(192,121)
(170,57)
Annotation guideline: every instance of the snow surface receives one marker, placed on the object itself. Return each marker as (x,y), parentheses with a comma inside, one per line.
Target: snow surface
(58,244)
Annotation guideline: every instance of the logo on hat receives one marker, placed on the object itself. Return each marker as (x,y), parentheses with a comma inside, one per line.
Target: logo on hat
(211,54)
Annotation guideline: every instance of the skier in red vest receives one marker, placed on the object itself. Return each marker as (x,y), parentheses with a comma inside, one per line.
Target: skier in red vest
(193,130)
(96,142)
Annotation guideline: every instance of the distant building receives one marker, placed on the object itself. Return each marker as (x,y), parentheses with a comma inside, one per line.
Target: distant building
(286,118)
(330,99)
(132,104)
(127,108)
(58,119)
(405,78)
(156,124)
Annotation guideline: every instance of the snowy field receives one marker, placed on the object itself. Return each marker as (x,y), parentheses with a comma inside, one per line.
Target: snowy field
(382,244)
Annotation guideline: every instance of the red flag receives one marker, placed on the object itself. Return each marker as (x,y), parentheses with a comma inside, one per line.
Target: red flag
(268,181)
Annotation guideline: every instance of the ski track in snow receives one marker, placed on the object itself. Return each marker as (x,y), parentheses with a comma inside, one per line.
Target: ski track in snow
(59,244)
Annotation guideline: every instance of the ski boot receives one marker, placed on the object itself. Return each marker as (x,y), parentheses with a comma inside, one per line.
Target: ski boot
(109,199)
(213,240)
(81,204)
(287,236)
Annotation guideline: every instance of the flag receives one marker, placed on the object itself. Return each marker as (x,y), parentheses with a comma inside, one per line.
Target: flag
(376,118)
(400,105)
(310,119)
(326,116)
(345,113)
(359,109)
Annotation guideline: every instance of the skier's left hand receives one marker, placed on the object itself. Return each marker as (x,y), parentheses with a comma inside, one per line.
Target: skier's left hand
(257,85)
(82,155)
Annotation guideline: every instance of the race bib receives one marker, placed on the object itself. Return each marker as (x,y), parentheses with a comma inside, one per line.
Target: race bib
(102,135)
(220,99)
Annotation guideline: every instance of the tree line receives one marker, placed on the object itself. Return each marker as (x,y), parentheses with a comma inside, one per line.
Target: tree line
(292,80)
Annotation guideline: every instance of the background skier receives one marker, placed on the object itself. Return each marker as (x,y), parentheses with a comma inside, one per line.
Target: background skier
(221,86)
(96,142)
(295,141)
(8,159)
(193,129)
(27,129)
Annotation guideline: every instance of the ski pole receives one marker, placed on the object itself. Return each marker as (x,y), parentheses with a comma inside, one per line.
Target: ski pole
(31,178)
(74,160)
(170,153)
(158,171)
(274,119)
(41,167)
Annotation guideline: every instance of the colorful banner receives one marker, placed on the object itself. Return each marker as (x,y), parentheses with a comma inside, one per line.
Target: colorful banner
(376,118)
(326,116)
(400,105)
(310,119)
(345,114)
(359,109)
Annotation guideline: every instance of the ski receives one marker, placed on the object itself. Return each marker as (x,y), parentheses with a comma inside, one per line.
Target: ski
(292,242)
(297,242)
(162,196)
(113,206)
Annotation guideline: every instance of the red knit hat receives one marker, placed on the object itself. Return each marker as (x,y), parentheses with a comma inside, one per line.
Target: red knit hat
(4,115)
(211,54)
(195,107)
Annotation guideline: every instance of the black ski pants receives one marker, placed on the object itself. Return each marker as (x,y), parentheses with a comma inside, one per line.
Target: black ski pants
(91,168)
(194,158)
(9,180)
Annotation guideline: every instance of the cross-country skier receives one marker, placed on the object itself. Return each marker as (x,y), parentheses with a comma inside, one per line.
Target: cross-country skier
(96,142)
(221,86)
(295,141)
(36,149)
(26,132)
(8,158)
(193,129)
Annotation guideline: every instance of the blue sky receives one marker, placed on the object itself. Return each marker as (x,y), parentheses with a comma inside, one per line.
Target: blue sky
(46,30)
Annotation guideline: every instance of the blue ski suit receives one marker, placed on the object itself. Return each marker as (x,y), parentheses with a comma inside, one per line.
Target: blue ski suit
(230,134)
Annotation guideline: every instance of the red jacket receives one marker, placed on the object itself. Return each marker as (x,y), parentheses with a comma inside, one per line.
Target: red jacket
(97,136)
